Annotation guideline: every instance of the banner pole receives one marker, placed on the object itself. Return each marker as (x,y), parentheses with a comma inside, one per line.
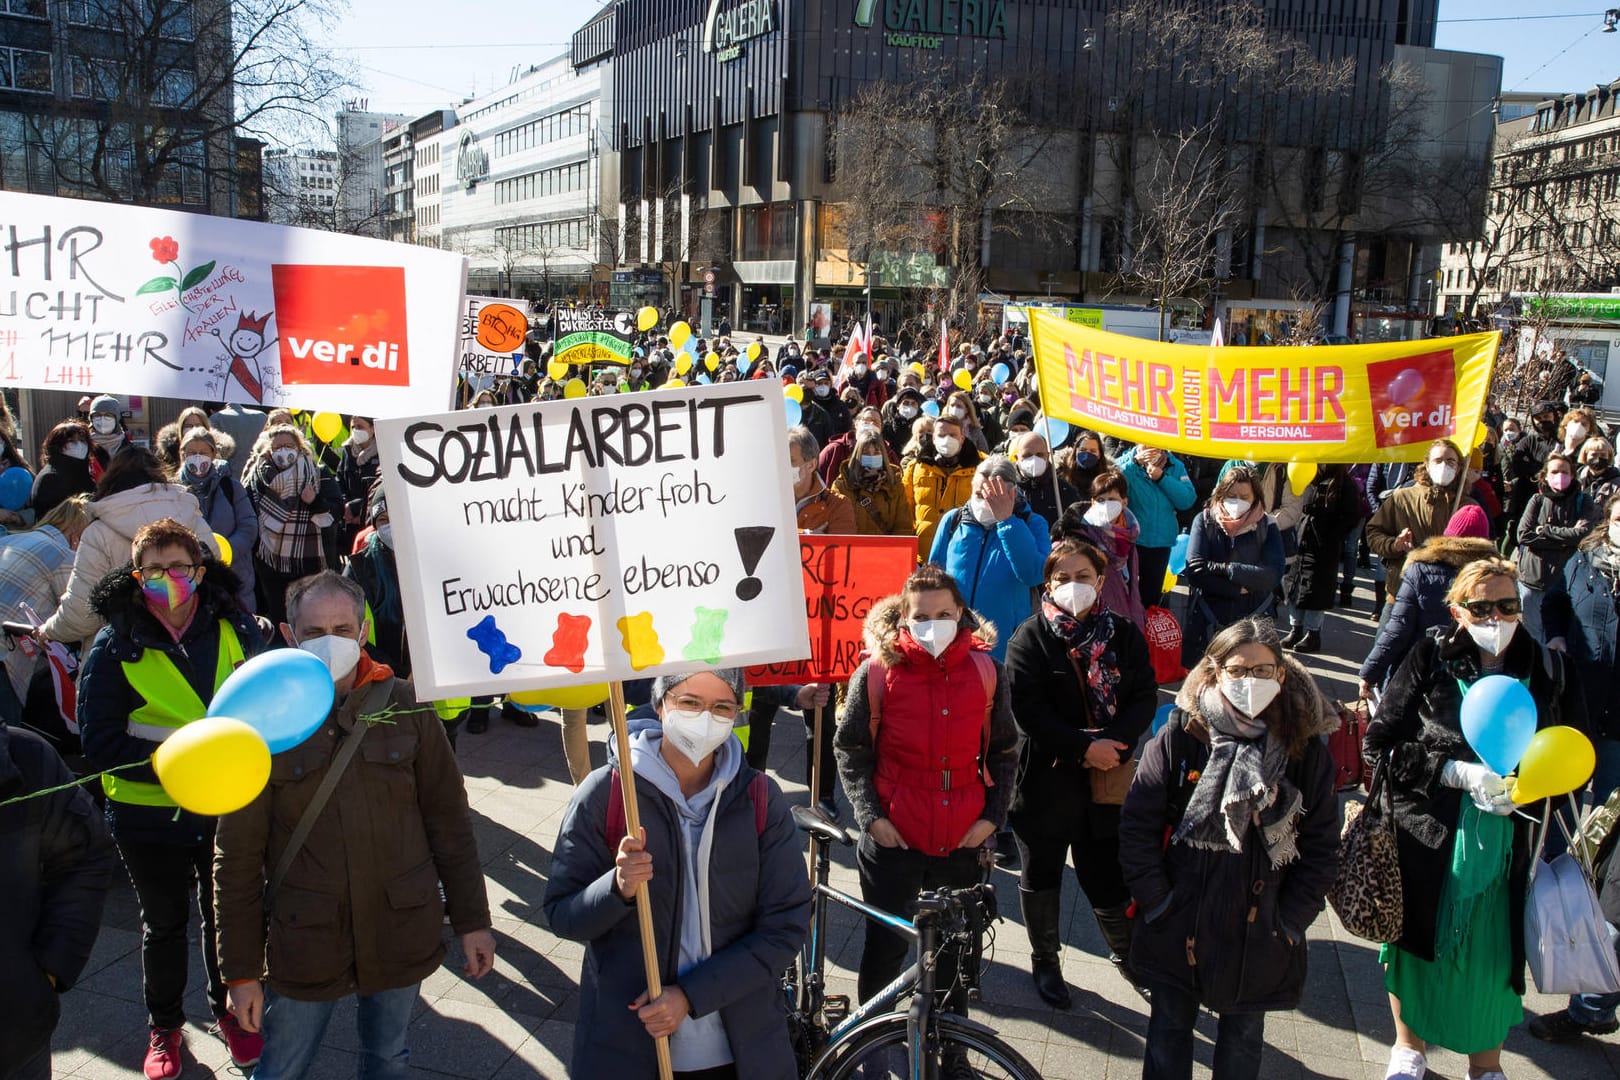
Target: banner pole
(1051,464)
(815,757)
(632,824)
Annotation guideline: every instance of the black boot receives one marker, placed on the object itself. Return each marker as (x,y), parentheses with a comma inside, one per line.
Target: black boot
(1308,642)
(1041,911)
(1116,931)
(1292,637)
(1347,596)
(1378,606)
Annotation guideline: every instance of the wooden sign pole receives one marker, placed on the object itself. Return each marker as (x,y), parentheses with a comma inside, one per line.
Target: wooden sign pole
(632,824)
(815,757)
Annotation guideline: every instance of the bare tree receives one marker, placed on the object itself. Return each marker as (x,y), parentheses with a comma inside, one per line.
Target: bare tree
(179,79)
(933,168)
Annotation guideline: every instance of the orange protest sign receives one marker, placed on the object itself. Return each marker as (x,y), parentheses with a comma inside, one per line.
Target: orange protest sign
(502,328)
(843,577)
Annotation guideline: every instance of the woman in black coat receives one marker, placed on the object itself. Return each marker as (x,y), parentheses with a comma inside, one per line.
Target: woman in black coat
(1333,508)
(1083,693)
(64,467)
(1456,975)
(1557,518)
(1234,561)
(1227,881)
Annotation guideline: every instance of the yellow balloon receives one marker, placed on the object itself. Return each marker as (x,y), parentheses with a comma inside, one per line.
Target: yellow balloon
(557,369)
(225,552)
(574,388)
(794,391)
(921,371)
(753,351)
(712,361)
(1300,475)
(679,333)
(213,766)
(1559,760)
(674,384)
(646,319)
(683,363)
(326,426)
(963,379)
(1169,581)
(562,697)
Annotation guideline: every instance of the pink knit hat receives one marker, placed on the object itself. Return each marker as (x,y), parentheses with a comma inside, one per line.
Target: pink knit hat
(1469,521)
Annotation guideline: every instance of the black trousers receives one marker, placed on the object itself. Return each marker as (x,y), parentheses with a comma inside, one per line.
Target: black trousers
(1096,867)
(891,879)
(760,720)
(163,876)
(1151,563)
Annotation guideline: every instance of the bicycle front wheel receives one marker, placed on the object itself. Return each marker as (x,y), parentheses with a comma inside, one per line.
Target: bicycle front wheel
(963,1050)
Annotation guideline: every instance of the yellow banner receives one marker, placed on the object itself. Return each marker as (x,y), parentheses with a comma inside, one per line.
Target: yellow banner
(1326,403)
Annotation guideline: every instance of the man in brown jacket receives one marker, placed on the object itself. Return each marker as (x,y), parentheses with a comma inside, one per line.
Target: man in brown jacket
(1414,514)
(355,909)
(820,510)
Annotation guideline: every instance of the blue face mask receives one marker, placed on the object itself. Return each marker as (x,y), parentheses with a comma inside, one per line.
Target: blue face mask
(1085,460)
(871,462)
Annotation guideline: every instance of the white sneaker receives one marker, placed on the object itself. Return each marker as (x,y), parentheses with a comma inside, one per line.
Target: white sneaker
(1494,1074)
(1405,1064)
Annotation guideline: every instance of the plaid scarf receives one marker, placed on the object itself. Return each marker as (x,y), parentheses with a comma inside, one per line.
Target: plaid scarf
(289,542)
(1242,782)
(1090,640)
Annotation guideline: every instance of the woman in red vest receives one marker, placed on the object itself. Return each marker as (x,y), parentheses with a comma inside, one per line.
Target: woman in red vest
(927,751)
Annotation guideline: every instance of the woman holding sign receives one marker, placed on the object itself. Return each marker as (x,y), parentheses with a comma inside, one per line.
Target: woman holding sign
(1456,975)
(1083,693)
(930,712)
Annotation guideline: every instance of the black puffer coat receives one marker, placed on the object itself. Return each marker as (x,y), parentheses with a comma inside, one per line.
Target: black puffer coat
(1549,532)
(1418,726)
(1223,931)
(1053,712)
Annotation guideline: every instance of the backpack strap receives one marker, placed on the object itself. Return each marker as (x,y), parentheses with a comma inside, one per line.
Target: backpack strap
(986,668)
(759,790)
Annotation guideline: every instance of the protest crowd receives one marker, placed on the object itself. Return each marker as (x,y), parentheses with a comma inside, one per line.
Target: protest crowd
(1005,713)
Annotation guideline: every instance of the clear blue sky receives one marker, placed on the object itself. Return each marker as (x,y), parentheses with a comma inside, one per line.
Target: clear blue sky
(416,55)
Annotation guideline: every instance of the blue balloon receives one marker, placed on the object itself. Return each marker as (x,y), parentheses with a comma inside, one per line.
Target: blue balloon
(16,484)
(795,412)
(703,379)
(284,695)
(1000,374)
(1057,431)
(1499,720)
(931,408)
(1162,715)
(1178,553)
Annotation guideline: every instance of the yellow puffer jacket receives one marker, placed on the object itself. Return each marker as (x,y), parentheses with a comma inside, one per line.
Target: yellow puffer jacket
(881,508)
(934,492)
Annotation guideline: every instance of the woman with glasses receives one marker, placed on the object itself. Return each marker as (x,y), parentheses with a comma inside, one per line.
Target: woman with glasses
(132,493)
(175,630)
(1456,976)
(727,883)
(285,485)
(1229,839)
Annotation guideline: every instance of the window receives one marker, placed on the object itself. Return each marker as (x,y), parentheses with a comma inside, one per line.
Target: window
(176,89)
(32,8)
(25,69)
(93,77)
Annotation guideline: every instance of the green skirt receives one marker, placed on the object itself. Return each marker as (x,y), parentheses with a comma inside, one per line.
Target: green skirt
(1464,999)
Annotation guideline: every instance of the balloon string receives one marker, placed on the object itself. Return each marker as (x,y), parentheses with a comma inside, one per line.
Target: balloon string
(74,784)
(386,716)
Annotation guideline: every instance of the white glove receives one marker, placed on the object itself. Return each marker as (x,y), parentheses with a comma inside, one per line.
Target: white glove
(1489,791)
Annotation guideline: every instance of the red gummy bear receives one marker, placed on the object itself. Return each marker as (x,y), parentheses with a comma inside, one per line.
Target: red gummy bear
(568,643)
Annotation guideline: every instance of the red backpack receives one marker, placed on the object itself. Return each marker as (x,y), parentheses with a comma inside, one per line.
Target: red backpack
(758,790)
(877,689)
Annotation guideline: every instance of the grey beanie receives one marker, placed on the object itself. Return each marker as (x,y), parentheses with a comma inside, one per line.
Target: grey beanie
(663,684)
(106,403)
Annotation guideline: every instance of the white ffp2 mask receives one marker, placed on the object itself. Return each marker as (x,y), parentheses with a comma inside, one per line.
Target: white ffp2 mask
(695,734)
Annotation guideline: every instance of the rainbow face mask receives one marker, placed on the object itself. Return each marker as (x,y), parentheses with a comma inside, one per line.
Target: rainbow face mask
(168,591)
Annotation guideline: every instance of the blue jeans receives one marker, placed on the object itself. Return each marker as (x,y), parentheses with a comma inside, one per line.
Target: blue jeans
(293,1031)
(1593,1009)
(1239,1038)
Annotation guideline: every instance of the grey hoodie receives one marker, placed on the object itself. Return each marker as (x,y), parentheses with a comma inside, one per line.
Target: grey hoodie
(700,1042)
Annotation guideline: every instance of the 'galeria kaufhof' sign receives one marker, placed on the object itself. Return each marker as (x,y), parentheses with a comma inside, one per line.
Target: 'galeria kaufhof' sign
(728,26)
(924,24)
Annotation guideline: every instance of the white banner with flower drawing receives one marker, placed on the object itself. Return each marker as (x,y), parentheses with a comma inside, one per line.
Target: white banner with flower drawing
(102,298)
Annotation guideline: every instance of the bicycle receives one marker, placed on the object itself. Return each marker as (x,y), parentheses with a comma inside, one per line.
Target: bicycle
(874,1041)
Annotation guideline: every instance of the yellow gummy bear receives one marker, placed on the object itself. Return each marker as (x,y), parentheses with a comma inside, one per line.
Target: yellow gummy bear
(641,640)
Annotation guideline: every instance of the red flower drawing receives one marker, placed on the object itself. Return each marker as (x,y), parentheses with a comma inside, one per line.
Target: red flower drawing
(164,248)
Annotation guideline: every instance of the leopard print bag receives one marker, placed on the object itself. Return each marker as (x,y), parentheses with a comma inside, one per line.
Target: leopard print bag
(1366,892)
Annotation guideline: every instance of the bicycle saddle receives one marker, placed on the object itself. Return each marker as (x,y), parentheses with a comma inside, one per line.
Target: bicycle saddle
(810,819)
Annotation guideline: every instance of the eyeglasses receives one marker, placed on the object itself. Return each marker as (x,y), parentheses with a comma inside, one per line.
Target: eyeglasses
(1483,609)
(724,710)
(157,573)
(1254,671)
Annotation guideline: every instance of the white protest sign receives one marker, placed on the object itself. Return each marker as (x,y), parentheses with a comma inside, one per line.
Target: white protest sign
(596,539)
(101,297)
(492,329)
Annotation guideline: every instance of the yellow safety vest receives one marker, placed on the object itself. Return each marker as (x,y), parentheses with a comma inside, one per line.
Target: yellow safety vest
(168,703)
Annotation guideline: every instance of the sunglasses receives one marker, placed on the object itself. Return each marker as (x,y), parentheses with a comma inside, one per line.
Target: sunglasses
(1484,609)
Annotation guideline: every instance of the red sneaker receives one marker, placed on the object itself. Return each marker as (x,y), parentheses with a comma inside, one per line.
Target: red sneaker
(245,1047)
(163,1054)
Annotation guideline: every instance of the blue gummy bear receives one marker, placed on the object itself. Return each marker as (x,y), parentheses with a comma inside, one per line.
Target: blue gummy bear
(492,641)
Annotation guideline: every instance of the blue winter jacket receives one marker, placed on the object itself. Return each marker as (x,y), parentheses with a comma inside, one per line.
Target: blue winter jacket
(1582,610)
(1155,502)
(1421,603)
(995,567)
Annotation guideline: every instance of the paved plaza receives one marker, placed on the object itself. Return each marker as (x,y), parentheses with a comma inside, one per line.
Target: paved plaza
(518,1022)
